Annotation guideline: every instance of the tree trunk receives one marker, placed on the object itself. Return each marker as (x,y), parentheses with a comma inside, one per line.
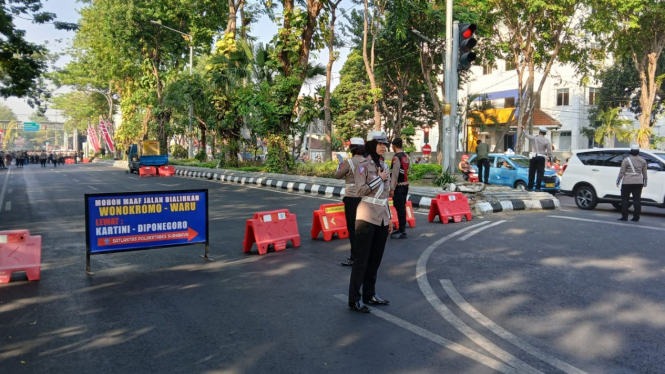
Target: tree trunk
(369,66)
(327,155)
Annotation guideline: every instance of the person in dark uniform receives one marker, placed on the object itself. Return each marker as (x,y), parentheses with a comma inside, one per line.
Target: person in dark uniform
(632,178)
(399,186)
(483,161)
(372,224)
(2,160)
(53,158)
(348,170)
(42,158)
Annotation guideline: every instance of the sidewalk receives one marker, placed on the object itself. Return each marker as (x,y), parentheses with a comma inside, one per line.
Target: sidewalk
(494,199)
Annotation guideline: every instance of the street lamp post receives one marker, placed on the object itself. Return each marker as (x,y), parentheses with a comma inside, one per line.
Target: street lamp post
(190,152)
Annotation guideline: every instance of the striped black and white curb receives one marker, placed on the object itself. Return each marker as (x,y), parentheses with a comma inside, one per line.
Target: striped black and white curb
(308,188)
(516,205)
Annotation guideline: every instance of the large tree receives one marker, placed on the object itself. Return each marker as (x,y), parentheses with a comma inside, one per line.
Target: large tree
(534,35)
(634,29)
(22,63)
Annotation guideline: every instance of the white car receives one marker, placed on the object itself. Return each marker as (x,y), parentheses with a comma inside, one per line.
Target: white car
(590,177)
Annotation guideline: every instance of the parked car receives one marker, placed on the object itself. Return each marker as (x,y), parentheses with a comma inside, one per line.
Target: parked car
(591,174)
(513,171)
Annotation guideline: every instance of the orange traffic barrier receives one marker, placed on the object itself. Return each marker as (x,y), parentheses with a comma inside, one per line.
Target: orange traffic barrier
(410,217)
(274,227)
(147,171)
(449,205)
(20,252)
(473,178)
(166,171)
(69,161)
(86,160)
(330,220)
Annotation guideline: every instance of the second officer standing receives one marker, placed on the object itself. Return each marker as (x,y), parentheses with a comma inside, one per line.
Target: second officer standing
(399,186)
(348,171)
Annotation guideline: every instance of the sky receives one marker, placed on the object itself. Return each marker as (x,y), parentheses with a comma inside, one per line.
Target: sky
(67,11)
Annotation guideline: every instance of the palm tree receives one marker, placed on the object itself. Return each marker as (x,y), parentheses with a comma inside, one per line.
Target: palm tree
(612,127)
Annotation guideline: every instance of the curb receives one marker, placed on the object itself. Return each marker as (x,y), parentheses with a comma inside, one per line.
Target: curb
(418,201)
(309,188)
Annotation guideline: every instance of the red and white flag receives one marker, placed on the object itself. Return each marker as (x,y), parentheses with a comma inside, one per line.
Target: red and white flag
(92,138)
(104,130)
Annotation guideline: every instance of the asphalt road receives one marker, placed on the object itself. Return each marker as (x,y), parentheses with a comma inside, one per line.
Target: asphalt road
(566,291)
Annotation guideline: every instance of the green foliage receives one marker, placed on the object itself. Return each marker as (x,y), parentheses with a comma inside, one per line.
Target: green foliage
(178,151)
(6,113)
(416,171)
(445,178)
(22,63)
(317,169)
(201,156)
(278,159)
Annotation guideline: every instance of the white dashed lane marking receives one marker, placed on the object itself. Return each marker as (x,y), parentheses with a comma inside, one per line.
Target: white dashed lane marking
(92,188)
(8,206)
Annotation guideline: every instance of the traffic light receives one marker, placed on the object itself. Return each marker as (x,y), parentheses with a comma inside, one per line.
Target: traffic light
(466,44)
(426,132)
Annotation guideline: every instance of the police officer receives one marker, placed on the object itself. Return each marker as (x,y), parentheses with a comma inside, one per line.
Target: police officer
(372,224)
(42,158)
(54,159)
(542,148)
(2,160)
(632,177)
(348,170)
(399,186)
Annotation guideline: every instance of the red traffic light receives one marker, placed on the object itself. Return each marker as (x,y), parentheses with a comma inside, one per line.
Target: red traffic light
(468,31)
(426,129)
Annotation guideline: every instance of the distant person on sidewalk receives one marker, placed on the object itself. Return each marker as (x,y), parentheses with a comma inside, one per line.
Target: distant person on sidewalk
(632,178)
(464,167)
(542,148)
(482,156)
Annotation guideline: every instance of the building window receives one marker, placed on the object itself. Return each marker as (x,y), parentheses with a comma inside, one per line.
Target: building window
(592,95)
(510,65)
(487,69)
(563,97)
(509,102)
(565,138)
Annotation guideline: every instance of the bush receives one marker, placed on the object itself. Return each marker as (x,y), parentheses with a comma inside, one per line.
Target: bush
(416,171)
(201,156)
(178,151)
(445,178)
(317,169)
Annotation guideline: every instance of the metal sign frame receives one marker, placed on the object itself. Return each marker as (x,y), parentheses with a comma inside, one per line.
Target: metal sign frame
(89,252)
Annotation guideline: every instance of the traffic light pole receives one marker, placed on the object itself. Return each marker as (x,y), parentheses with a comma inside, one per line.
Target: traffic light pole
(447,152)
(453,96)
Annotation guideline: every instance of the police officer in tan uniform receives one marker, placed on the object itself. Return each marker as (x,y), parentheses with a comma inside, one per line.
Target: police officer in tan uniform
(348,170)
(399,186)
(632,178)
(372,224)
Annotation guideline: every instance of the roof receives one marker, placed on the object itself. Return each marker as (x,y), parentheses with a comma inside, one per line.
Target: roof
(503,115)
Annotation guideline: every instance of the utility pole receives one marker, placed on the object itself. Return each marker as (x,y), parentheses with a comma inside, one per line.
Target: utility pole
(449,153)
(454,136)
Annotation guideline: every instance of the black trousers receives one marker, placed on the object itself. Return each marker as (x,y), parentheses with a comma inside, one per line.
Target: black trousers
(483,162)
(636,191)
(2,163)
(537,170)
(350,209)
(43,162)
(399,202)
(370,244)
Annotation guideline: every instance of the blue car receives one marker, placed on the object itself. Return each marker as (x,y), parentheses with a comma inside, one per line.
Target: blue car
(513,171)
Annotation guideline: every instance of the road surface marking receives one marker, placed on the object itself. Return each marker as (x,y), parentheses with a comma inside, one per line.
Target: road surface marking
(481,358)
(500,331)
(4,187)
(439,306)
(474,232)
(168,185)
(634,225)
(75,180)
(93,188)
(8,206)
